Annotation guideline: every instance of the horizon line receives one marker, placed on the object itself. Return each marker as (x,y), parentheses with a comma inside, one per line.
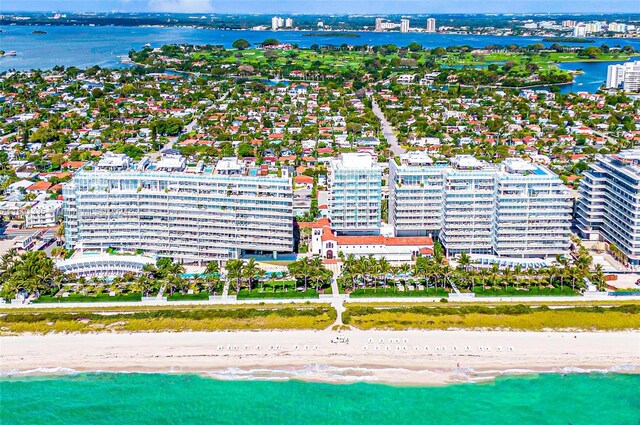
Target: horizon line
(327,14)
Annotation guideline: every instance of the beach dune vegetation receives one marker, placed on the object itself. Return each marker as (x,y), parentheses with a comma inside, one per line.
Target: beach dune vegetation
(169,320)
(513,317)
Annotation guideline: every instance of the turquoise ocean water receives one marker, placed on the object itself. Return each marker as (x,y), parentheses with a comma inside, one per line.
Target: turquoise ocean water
(107,398)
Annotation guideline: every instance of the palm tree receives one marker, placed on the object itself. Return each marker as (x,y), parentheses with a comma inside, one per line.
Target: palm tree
(384,267)
(464,261)
(363,268)
(552,272)
(321,275)
(60,232)
(301,269)
(563,262)
(405,269)
(446,272)
(150,270)
(250,271)
(212,268)
(283,275)
(234,272)
(574,273)
(494,273)
(598,276)
(583,262)
(348,266)
(175,269)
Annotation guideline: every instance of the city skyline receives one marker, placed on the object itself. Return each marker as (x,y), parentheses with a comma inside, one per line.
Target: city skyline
(327,7)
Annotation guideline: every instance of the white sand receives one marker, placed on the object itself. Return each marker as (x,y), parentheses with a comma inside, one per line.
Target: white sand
(402,357)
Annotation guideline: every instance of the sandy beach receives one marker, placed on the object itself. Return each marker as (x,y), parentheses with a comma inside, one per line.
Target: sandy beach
(399,357)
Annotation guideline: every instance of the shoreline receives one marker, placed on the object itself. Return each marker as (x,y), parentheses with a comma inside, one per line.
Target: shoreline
(334,375)
(305,30)
(405,358)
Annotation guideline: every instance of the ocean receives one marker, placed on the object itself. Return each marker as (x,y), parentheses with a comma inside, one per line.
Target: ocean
(123,398)
(85,46)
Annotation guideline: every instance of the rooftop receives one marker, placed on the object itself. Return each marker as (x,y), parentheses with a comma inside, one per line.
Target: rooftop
(354,161)
(173,163)
(416,158)
(467,162)
(421,241)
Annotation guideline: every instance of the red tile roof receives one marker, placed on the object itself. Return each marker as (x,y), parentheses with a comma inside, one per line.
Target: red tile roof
(423,241)
(303,179)
(40,186)
(73,164)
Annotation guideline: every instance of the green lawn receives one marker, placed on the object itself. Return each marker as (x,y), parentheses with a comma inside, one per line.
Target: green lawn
(533,291)
(177,296)
(270,294)
(76,298)
(393,292)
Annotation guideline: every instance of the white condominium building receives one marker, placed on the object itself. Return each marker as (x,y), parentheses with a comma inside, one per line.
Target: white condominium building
(513,209)
(609,203)
(431,25)
(468,205)
(43,214)
(632,77)
(192,214)
(277,23)
(355,194)
(415,195)
(404,25)
(615,76)
(625,76)
(532,211)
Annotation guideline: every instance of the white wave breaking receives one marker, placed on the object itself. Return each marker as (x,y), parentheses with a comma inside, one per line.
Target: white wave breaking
(338,374)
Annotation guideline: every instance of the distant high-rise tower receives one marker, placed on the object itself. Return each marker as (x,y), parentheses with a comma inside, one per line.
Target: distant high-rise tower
(615,76)
(277,23)
(288,23)
(378,24)
(431,25)
(404,25)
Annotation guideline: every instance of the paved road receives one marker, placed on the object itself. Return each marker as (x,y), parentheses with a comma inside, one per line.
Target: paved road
(387,130)
(173,139)
(605,136)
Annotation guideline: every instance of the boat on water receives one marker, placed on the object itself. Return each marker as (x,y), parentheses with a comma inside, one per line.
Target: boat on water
(147,45)
(11,53)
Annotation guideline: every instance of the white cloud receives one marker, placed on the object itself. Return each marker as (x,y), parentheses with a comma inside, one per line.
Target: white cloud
(178,6)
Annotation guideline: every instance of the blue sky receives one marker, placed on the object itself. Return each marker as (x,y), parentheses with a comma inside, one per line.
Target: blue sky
(329,6)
